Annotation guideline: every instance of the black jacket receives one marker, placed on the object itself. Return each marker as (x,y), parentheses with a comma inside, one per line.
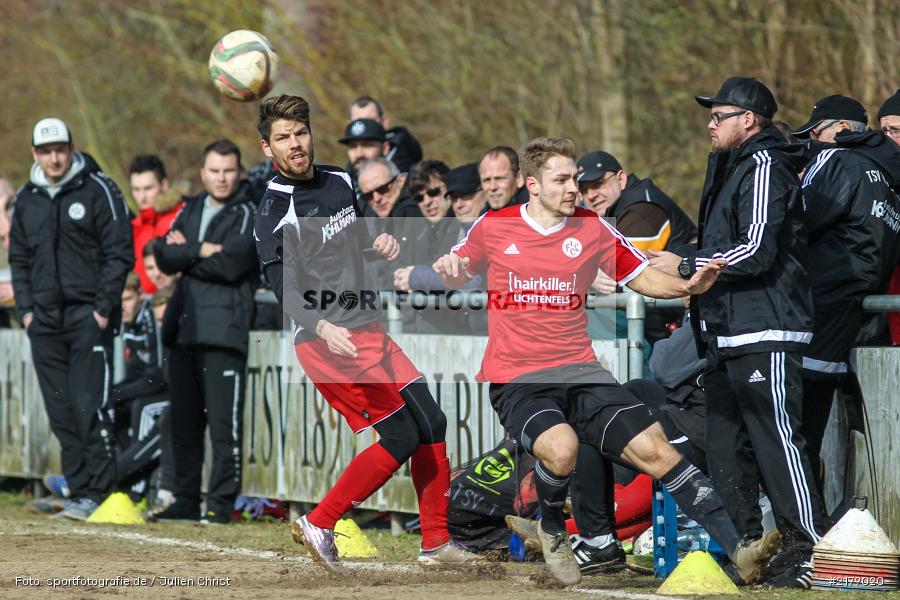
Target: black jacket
(852,214)
(751,214)
(143,358)
(74,249)
(682,229)
(215,293)
(405,150)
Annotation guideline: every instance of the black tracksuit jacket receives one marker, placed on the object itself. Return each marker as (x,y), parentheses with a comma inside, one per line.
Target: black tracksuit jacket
(72,249)
(214,295)
(751,214)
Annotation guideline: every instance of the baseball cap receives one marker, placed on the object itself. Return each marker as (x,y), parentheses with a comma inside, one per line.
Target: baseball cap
(891,106)
(747,92)
(463,180)
(363,129)
(593,165)
(833,107)
(50,131)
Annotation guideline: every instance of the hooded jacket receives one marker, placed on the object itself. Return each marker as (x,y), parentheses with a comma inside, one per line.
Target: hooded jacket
(214,294)
(151,223)
(751,215)
(70,244)
(852,215)
(851,209)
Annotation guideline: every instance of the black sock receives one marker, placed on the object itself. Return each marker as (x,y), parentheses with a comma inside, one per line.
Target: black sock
(694,493)
(551,490)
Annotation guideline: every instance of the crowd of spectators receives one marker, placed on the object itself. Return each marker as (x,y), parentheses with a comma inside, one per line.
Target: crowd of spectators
(178,284)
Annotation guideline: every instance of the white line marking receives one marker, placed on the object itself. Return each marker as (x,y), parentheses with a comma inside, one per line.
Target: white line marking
(269,555)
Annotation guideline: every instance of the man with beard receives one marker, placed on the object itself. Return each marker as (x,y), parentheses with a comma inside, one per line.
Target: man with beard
(312,246)
(756,322)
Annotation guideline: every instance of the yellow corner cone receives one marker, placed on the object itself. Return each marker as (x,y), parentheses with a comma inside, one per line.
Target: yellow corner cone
(117,509)
(351,542)
(698,574)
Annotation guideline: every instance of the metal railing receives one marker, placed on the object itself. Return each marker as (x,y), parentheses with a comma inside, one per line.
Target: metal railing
(635,306)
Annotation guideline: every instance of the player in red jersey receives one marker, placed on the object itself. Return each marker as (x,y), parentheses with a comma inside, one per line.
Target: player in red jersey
(547,387)
(312,247)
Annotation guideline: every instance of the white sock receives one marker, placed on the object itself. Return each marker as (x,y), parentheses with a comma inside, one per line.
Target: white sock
(599,541)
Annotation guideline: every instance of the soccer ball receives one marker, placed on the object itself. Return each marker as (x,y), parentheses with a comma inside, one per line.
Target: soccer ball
(243,65)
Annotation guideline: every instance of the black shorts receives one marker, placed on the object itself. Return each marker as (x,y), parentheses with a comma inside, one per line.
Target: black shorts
(589,399)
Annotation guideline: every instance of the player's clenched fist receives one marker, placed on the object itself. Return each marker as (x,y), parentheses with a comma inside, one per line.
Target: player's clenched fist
(452,269)
(387,246)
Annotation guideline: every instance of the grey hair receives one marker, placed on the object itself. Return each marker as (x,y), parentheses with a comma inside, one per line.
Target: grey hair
(387,164)
(857,126)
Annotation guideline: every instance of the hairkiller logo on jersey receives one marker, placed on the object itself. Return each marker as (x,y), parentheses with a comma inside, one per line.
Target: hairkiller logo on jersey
(549,292)
(337,222)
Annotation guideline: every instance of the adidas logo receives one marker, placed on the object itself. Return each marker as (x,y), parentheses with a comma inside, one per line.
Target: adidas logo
(511,249)
(757,376)
(702,493)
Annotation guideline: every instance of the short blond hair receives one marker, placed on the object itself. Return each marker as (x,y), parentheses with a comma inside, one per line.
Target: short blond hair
(539,150)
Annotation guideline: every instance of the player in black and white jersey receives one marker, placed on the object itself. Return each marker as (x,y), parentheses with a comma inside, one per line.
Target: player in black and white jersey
(313,249)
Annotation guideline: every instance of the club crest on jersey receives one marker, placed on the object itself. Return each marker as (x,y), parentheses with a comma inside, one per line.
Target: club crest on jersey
(76,211)
(571,247)
(338,222)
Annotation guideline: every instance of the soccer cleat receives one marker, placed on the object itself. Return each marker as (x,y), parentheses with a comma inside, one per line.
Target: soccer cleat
(798,576)
(526,529)
(750,557)
(319,543)
(592,560)
(77,510)
(558,556)
(451,554)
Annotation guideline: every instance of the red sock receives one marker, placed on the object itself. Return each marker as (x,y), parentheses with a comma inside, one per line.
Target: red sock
(430,470)
(363,476)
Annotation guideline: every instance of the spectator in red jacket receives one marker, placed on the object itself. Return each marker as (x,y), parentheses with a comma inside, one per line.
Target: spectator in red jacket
(157,207)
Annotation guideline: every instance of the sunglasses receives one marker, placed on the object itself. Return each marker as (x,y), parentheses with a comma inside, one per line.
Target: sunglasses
(824,124)
(430,192)
(381,189)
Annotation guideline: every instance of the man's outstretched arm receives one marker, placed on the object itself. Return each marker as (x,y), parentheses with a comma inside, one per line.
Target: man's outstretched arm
(658,284)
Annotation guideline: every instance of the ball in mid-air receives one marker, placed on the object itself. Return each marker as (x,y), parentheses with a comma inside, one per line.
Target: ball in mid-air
(243,65)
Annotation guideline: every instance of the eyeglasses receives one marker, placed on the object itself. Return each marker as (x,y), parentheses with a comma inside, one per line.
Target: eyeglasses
(430,192)
(717,118)
(893,132)
(816,131)
(380,190)
(583,187)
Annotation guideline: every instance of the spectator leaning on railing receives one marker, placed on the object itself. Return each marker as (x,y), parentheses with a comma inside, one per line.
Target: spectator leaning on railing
(70,252)
(852,217)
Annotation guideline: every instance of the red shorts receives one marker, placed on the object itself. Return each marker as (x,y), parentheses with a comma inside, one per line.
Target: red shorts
(365,389)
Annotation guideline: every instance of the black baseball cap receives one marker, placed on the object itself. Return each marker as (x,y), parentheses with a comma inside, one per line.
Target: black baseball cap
(833,107)
(747,92)
(891,106)
(463,180)
(593,165)
(363,129)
